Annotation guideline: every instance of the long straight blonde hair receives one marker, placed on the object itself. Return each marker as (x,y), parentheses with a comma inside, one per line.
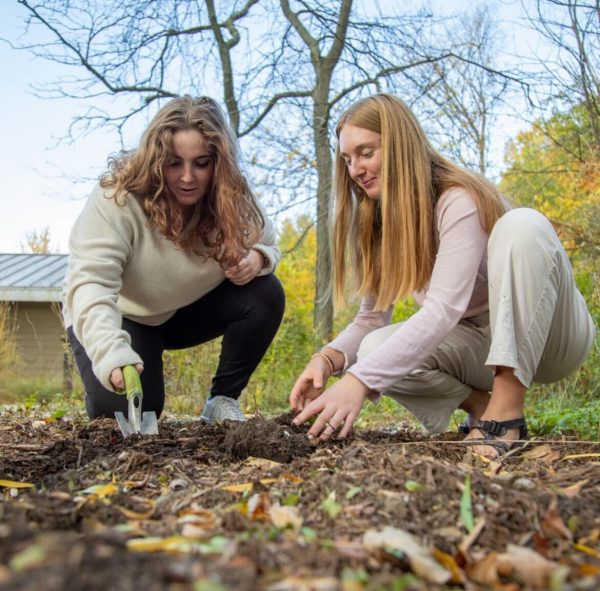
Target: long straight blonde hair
(392,240)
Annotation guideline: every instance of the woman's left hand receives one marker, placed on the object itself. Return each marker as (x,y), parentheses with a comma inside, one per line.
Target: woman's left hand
(337,407)
(247,269)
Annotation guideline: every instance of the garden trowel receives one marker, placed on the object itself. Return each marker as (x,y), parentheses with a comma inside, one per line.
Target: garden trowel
(135,422)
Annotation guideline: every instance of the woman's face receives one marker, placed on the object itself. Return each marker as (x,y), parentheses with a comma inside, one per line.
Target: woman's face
(189,172)
(361,151)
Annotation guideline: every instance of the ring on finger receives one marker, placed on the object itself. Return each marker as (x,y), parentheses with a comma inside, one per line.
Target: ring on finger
(330,425)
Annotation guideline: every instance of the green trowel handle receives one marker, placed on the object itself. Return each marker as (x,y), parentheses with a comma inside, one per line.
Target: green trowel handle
(133,384)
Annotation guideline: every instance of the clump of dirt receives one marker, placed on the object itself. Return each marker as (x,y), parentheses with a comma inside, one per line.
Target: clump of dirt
(272,439)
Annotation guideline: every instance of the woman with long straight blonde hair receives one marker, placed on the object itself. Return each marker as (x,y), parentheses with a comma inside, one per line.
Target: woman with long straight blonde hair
(498,304)
(170,251)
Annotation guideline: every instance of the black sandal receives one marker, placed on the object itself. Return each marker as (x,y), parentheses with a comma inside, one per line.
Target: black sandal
(491,430)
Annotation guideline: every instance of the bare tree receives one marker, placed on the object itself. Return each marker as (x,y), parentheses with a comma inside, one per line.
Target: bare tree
(284,69)
(572,27)
(465,94)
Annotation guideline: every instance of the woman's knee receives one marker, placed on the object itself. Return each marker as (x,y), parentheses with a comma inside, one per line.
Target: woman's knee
(267,297)
(523,229)
(375,338)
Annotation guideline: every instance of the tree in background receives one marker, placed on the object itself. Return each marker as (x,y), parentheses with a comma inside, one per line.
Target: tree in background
(571,76)
(552,168)
(37,242)
(284,70)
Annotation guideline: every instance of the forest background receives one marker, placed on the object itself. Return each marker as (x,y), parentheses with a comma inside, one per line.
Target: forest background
(284,70)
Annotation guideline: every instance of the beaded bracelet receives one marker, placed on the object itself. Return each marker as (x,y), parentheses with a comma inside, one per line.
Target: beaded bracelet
(327,359)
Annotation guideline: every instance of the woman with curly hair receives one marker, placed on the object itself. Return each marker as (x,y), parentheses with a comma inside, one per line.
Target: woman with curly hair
(172,250)
(499,308)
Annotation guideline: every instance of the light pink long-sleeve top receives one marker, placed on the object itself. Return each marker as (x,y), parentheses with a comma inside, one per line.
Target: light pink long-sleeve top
(457,289)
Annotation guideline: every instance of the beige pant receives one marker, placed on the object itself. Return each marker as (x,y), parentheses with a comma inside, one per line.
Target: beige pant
(538,324)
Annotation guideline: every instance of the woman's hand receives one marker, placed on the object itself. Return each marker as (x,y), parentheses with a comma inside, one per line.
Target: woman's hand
(116,377)
(310,384)
(337,407)
(247,269)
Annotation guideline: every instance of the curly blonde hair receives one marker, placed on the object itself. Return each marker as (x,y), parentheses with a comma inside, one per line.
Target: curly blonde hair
(229,218)
(392,239)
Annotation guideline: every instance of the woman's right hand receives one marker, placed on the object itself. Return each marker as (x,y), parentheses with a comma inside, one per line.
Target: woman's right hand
(310,384)
(116,377)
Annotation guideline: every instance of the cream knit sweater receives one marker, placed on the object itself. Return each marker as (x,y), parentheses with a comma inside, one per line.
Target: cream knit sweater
(119,267)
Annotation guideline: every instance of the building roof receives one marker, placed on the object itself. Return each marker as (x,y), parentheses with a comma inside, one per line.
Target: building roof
(32,277)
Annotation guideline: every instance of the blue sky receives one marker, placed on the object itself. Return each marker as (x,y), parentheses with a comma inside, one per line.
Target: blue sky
(45,184)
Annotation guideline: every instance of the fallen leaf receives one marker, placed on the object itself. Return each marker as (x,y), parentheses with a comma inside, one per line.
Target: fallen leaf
(177,545)
(485,571)
(305,584)
(553,525)
(420,558)
(533,569)
(291,478)
(587,550)
(14,484)
(285,516)
(575,456)
(243,487)
(449,564)
(101,490)
(537,452)
(574,489)
(139,515)
(261,463)
(257,506)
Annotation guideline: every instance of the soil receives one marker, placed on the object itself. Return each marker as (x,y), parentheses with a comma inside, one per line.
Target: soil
(255,505)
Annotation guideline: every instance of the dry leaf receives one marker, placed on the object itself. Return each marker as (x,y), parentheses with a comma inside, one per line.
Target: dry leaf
(532,568)
(449,564)
(291,478)
(285,516)
(257,506)
(575,456)
(261,463)
(574,489)
(139,515)
(552,523)
(101,490)
(305,584)
(243,487)
(421,559)
(537,452)
(14,484)
(587,550)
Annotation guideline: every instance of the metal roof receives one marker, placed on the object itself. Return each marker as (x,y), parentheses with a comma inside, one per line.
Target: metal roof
(32,277)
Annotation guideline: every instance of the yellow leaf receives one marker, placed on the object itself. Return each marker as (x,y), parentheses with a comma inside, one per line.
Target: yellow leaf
(13,484)
(156,544)
(574,456)
(266,481)
(101,490)
(588,550)
(246,486)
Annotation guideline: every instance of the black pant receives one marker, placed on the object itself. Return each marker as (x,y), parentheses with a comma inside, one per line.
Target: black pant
(247,317)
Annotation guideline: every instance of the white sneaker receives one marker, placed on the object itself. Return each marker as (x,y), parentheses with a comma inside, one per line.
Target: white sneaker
(222,408)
